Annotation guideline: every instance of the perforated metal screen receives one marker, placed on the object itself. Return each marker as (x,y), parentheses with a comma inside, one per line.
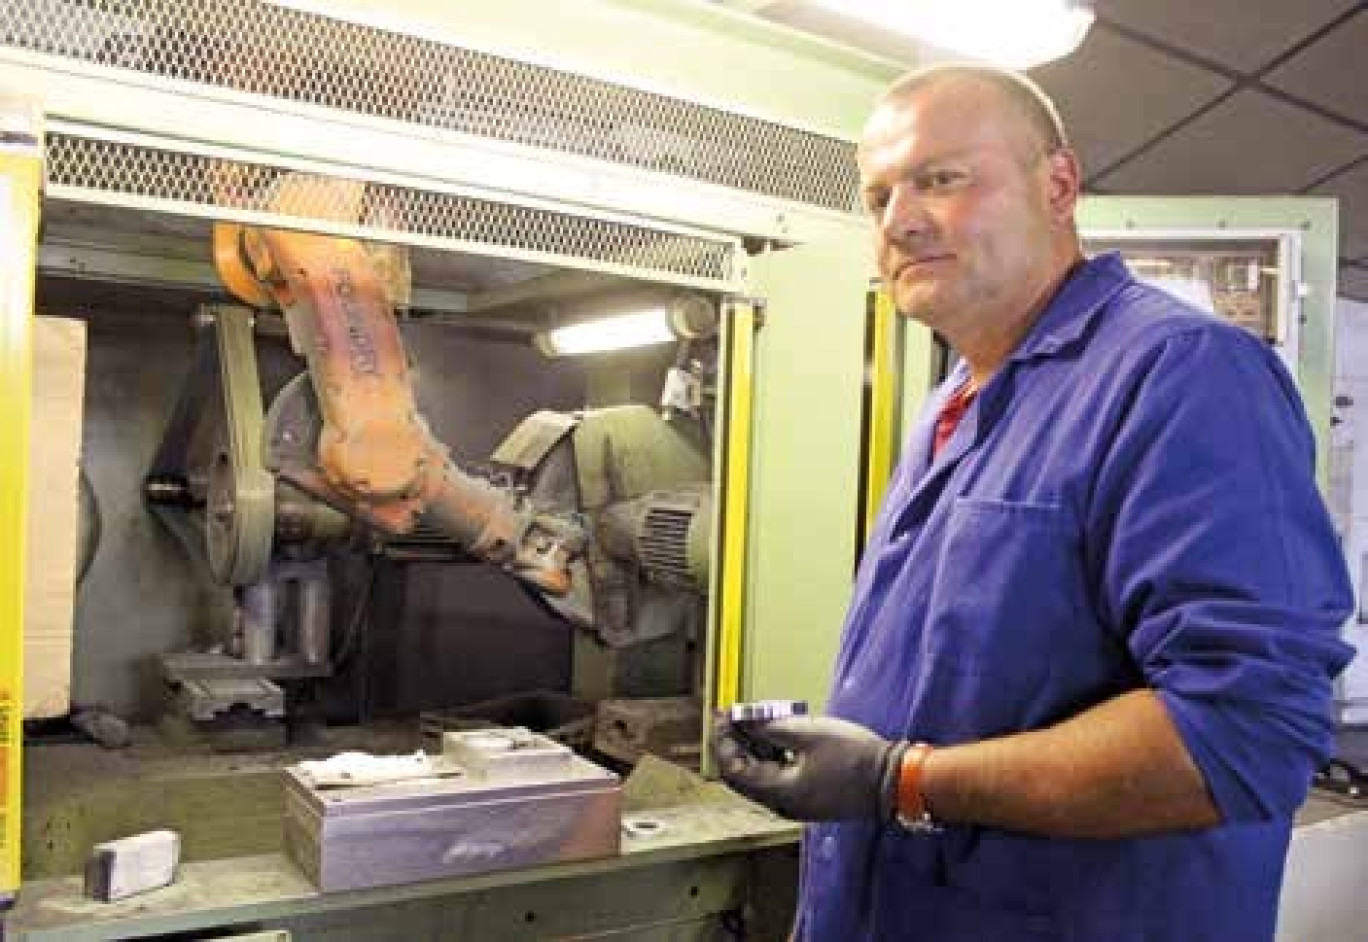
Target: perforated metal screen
(258,48)
(117,172)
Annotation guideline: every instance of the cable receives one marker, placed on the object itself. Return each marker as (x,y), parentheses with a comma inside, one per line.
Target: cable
(360,612)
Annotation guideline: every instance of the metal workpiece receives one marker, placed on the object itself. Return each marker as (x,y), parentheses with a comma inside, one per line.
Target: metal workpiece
(497,799)
(764,711)
(749,720)
(132,865)
(507,753)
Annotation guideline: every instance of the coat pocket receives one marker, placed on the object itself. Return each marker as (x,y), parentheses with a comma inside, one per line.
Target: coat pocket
(1005,615)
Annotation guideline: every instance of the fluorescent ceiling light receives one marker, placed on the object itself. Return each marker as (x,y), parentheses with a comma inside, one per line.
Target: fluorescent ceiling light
(1016,34)
(608,333)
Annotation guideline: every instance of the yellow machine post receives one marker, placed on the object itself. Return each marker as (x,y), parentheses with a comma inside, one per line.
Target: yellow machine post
(732,540)
(883,391)
(20,184)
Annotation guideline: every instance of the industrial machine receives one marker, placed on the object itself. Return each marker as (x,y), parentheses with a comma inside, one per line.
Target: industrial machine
(603,514)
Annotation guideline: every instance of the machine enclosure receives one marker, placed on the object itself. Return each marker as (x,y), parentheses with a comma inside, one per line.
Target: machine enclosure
(347,839)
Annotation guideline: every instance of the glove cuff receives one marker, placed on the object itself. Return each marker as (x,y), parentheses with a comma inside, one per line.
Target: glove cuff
(888,779)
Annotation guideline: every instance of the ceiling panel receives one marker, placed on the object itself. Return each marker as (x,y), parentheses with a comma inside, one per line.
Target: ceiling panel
(1115,95)
(1240,34)
(1331,71)
(1251,143)
(1353,282)
(1351,187)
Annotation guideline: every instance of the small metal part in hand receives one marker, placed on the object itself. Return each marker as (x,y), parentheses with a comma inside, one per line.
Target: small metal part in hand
(763,711)
(748,718)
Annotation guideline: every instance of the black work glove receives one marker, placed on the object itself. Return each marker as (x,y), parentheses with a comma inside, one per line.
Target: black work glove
(819,768)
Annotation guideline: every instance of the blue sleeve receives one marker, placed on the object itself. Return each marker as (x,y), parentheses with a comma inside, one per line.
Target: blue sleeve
(1218,562)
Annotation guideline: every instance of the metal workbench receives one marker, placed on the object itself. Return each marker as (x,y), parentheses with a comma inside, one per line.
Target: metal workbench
(712,858)
(707,859)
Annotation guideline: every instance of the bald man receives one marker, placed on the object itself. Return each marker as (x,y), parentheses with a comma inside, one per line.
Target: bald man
(1086,674)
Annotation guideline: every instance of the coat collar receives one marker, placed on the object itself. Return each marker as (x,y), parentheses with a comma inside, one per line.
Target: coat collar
(1061,326)
(1073,308)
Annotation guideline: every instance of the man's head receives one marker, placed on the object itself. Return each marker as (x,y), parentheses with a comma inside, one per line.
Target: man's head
(972,187)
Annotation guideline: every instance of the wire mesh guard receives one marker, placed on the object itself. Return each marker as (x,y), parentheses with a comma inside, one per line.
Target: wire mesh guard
(178,181)
(256,47)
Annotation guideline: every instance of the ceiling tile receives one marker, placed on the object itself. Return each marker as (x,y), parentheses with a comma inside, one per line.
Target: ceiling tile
(1240,34)
(1251,143)
(1351,187)
(1353,282)
(1330,72)
(1099,89)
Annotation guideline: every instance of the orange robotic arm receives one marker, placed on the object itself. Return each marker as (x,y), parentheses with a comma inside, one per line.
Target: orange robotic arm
(376,458)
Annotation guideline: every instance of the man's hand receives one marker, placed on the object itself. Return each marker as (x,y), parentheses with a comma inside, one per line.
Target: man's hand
(830,769)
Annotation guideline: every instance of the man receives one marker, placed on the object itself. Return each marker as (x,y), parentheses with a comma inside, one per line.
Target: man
(1090,652)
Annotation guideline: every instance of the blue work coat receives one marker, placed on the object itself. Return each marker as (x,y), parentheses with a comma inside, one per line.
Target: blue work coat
(1129,502)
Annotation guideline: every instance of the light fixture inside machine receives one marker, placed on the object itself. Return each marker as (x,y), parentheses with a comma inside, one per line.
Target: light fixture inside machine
(1013,33)
(683,317)
(619,332)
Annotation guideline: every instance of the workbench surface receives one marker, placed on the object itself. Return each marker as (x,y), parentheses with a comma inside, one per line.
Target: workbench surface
(687,819)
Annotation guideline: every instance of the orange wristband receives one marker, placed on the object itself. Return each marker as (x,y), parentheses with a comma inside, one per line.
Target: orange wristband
(912,810)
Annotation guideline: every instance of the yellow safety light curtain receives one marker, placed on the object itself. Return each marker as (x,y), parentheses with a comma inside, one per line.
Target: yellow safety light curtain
(880,412)
(20,183)
(732,521)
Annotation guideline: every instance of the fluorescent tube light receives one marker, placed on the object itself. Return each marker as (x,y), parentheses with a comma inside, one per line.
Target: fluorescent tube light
(608,333)
(1015,34)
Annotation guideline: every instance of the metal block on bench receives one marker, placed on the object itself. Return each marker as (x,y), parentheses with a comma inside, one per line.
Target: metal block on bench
(495,802)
